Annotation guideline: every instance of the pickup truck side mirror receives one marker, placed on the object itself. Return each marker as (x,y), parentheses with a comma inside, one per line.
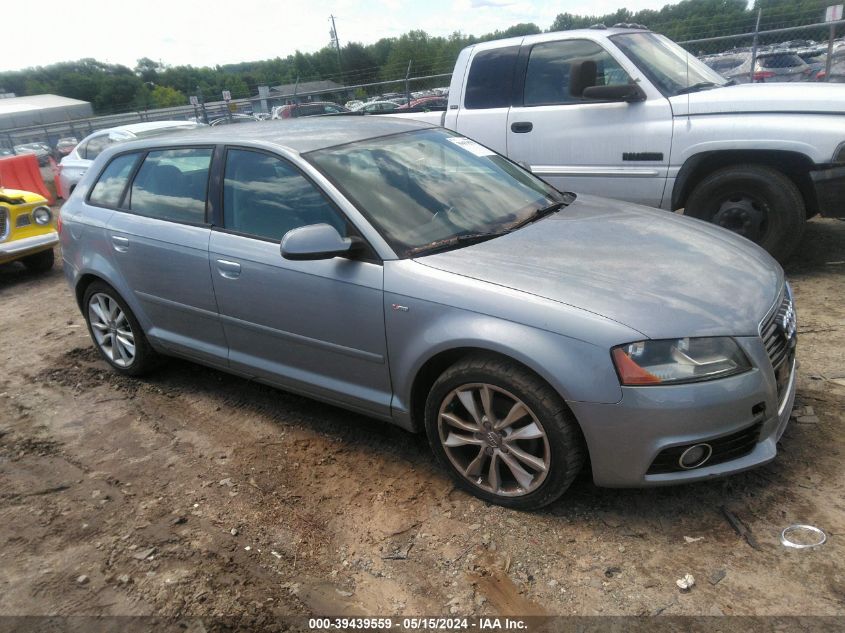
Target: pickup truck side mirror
(616,92)
(583,73)
(316,241)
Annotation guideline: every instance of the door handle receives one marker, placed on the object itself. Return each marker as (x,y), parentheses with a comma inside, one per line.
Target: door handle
(521,127)
(227,269)
(121,244)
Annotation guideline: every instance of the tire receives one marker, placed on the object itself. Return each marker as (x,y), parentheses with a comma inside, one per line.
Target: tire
(757,202)
(472,448)
(39,262)
(109,330)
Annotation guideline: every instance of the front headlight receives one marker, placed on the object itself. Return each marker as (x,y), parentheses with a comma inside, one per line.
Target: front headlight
(680,360)
(42,216)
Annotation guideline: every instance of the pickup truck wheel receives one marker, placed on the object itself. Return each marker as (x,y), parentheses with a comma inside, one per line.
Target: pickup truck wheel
(40,262)
(116,332)
(503,434)
(757,202)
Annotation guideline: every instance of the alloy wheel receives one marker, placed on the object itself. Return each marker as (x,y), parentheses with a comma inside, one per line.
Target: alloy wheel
(112,330)
(493,439)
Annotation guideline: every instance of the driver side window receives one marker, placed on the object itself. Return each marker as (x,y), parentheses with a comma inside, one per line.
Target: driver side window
(265,197)
(549,67)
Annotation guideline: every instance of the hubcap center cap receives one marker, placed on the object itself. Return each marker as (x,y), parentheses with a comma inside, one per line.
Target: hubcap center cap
(494,440)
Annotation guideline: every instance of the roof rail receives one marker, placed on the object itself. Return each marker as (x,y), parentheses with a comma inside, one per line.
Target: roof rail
(627,25)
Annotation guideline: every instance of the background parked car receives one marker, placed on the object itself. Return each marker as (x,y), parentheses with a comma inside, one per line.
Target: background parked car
(64,146)
(312,108)
(426,104)
(27,231)
(377,107)
(42,152)
(235,118)
(781,65)
(76,163)
(837,67)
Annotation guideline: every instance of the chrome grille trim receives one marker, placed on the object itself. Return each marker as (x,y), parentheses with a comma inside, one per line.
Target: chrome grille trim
(4,223)
(776,337)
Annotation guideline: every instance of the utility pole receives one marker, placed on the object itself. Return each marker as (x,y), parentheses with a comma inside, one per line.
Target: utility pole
(336,43)
(754,45)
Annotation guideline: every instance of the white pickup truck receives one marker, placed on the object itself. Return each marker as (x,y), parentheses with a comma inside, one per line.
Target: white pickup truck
(628,114)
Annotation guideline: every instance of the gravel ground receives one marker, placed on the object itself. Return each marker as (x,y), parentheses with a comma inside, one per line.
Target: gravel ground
(195,493)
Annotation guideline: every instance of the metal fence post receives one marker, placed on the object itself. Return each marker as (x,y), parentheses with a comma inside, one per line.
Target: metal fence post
(408,83)
(754,44)
(828,63)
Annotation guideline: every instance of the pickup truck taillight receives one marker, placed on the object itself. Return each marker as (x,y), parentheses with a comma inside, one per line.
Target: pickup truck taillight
(821,75)
(762,75)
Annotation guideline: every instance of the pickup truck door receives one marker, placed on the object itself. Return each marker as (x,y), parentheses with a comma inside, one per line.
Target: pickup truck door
(615,149)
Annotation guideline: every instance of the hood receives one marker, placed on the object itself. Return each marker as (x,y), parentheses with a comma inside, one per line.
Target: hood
(803,97)
(656,272)
(28,197)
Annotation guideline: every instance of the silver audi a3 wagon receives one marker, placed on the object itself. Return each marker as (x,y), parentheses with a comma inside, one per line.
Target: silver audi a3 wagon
(408,273)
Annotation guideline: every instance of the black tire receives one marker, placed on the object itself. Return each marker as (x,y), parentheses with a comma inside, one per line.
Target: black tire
(734,197)
(565,449)
(145,358)
(39,262)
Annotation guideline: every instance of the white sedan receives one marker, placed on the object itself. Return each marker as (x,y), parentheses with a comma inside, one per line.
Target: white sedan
(73,166)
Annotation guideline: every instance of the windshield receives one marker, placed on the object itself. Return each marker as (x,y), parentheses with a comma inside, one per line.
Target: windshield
(668,66)
(423,188)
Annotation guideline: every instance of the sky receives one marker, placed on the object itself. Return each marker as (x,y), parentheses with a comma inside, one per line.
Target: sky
(210,32)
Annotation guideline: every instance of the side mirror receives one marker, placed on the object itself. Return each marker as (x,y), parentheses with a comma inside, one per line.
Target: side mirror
(582,75)
(617,92)
(316,241)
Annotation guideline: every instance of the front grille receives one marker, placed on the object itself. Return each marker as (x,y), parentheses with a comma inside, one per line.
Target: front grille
(778,330)
(4,215)
(725,449)
(779,334)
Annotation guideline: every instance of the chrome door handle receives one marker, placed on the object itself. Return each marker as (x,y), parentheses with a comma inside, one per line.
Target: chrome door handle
(228,269)
(121,244)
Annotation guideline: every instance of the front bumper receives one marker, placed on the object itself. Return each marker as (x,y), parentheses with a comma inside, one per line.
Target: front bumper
(829,184)
(625,438)
(27,246)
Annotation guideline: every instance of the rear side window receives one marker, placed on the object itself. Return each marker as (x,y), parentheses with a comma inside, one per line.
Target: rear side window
(490,80)
(547,75)
(95,146)
(109,188)
(172,185)
(265,197)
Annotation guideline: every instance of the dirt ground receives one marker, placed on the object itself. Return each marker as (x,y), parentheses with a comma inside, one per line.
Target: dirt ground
(193,492)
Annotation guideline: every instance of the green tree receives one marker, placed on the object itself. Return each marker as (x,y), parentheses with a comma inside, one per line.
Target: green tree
(166,97)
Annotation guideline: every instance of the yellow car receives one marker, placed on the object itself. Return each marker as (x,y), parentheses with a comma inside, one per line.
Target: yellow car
(26,230)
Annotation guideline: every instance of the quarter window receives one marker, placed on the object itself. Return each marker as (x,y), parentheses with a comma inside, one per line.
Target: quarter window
(109,188)
(266,197)
(490,79)
(549,66)
(172,184)
(96,145)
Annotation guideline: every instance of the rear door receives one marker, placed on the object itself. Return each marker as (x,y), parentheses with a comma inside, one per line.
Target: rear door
(614,149)
(311,326)
(159,244)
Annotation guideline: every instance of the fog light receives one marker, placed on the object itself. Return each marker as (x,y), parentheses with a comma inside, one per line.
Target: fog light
(695,456)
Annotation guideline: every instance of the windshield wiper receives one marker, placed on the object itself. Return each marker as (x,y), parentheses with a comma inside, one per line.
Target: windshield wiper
(454,242)
(539,213)
(702,85)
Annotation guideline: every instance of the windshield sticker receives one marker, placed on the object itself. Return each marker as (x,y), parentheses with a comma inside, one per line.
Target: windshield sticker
(471,146)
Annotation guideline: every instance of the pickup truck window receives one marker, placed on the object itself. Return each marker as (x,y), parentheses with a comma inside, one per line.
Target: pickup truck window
(490,80)
(669,67)
(547,75)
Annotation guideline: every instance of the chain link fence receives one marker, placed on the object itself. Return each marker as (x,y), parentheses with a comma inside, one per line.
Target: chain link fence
(807,53)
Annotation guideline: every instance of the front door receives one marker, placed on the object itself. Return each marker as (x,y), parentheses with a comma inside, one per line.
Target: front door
(310,326)
(614,149)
